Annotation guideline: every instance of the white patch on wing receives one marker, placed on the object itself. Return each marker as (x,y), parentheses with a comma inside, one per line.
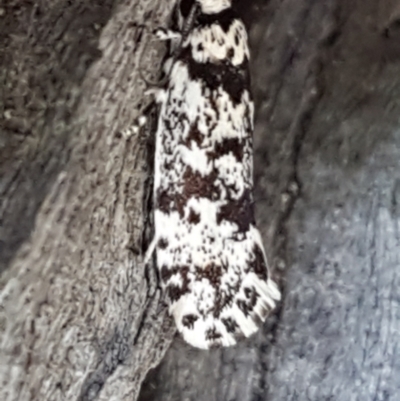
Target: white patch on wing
(214,6)
(212,44)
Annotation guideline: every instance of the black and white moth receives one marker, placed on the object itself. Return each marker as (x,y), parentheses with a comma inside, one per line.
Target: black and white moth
(209,252)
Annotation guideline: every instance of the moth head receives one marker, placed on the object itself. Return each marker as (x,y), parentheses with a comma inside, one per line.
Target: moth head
(206,6)
(214,6)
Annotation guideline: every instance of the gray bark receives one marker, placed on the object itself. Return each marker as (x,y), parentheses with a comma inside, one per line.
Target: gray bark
(326,78)
(80,317)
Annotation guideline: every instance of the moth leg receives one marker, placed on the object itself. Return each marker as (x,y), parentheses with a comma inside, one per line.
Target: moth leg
(134,129)
(167,34)
(159,95)
(150,250)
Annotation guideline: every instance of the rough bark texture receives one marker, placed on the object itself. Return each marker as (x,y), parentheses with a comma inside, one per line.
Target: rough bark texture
(80,317)
(326,76)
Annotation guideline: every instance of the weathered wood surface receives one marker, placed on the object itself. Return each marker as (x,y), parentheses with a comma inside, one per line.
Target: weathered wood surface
(80,318)
(326,77)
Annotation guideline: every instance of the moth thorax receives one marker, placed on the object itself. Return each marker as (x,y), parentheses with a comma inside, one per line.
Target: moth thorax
(214,6)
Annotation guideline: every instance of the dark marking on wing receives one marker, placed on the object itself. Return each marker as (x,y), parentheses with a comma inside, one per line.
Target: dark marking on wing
(194,135)
(174,291)
(224,18)
(257,265)
(189,321)
(163,243)
(243,306)
(165,200)
(200,186)
(194,217)
(233,79)
(236,146)
(195,185)
(230,324)
(165,273)
(212,272)
(213,334)
(224,298)
(239,211)
(251,295)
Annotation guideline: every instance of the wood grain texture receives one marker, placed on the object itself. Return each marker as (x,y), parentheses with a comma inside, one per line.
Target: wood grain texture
(326,81)
(80,317)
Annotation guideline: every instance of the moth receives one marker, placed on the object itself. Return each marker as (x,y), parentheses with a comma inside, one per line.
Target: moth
(209,252)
